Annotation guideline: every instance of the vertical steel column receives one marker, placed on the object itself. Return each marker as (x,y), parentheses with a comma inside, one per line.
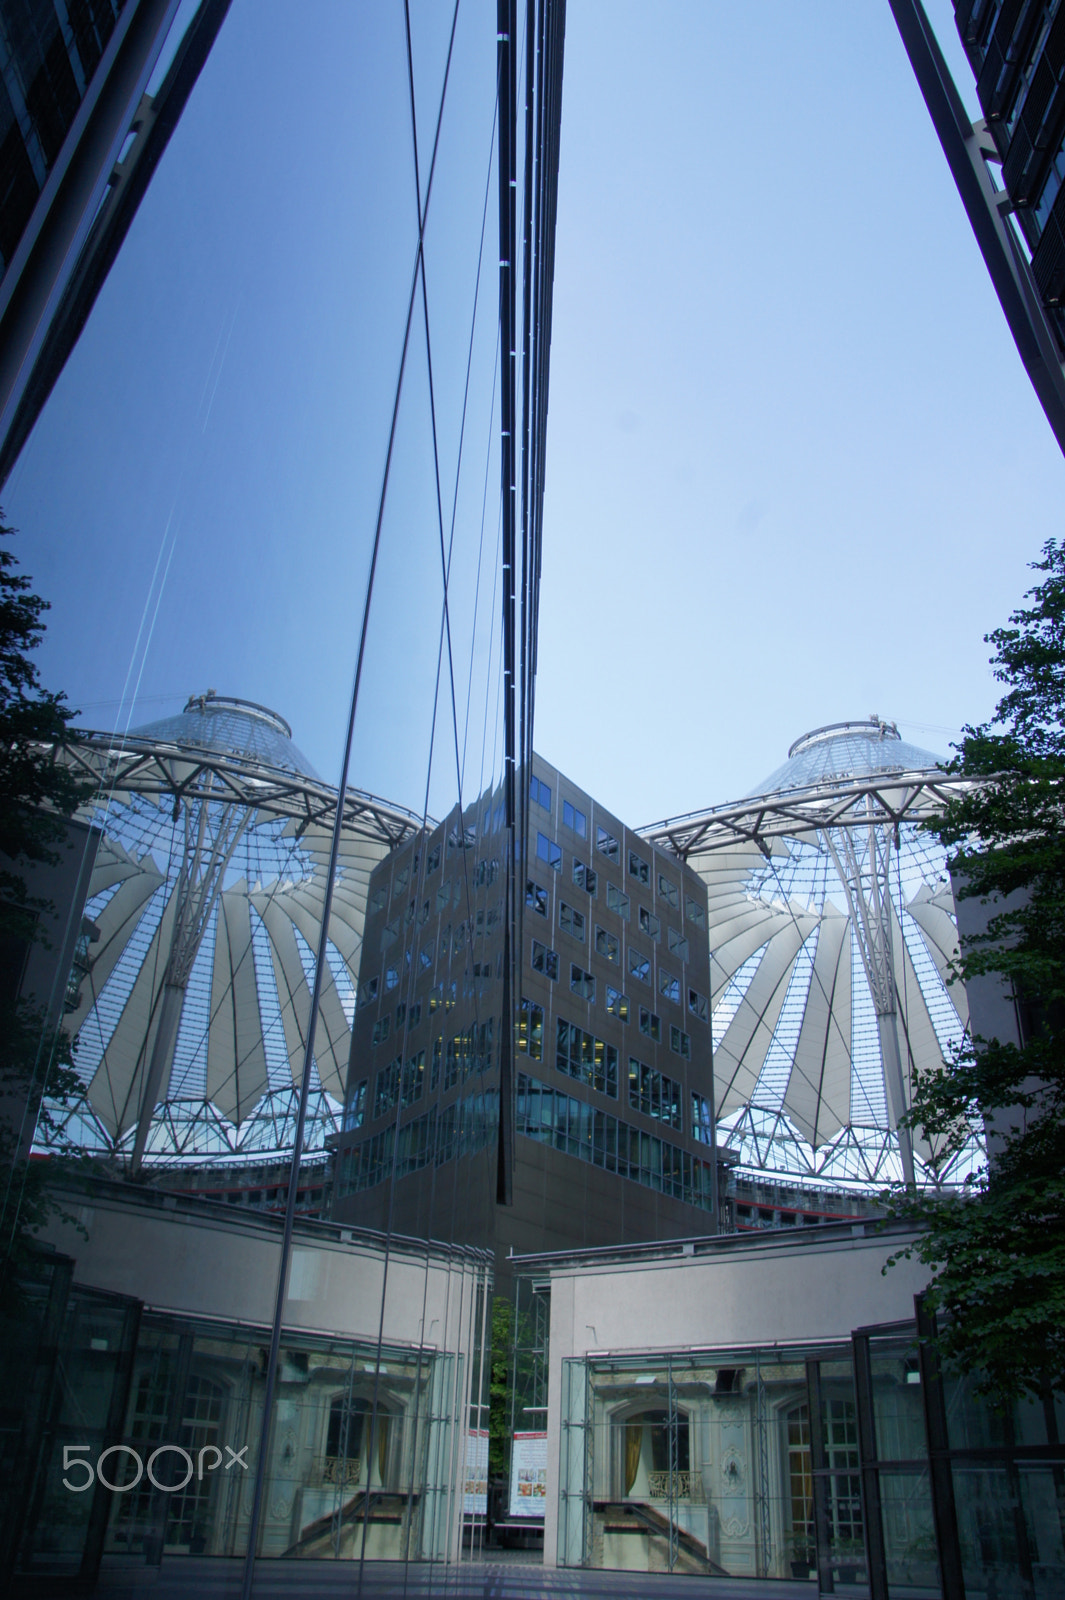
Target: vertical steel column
(940,1475)
(821,1481)
(872,1522)
(674,1464)
(506,17)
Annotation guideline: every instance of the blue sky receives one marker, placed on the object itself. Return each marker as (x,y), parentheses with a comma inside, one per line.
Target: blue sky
(795,471)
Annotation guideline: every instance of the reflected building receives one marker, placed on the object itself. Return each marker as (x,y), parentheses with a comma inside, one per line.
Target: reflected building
(608,1083)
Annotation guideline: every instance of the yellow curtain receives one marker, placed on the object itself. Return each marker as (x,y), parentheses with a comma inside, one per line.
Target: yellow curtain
(633,1446)
(383,1419)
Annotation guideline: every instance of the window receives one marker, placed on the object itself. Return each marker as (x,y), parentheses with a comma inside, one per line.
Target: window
(582,1056)
(668,891)
(582,983)
(443,897)
(694,912)
(535,899)
(574,819)
(638,868)
(408,917)
(380,1031)
(584,877)
(413,1079)
(639,966)
(653,1094)
(368,992)
(434,1071)
(697,1004)
(616,901)
(377,900)
(607,845)
(432,860)
(617,1004)
(386,1088)
(669,986)
(548,851)
(353,1116)
(539,793)
(425,956)
(650,925)
(423,915)
(571,921)
(415,1016)
(679,1042)
(445,942)
(389,933)
(531,1029)
(391,978)
(650,1024)
(608,945)
(400,881)
(678,946)
(702,1119)
(544,960)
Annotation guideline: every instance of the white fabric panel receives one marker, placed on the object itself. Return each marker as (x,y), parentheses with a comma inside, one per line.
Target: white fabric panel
(818,1097)
(237,1076)
(918,1040)
(113,863)
(747,935)
(116,923)
(309,899)
(295,1000)
(738,1059)
(332,1040)
(117,1083)
(934,915)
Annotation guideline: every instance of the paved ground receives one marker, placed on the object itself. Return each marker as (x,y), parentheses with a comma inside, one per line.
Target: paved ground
(513,1578)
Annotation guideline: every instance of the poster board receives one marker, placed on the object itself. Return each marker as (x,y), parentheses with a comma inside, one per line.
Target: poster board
(528,1475)
(475,1475)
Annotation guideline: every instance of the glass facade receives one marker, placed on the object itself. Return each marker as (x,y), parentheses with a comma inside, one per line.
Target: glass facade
(811,1463)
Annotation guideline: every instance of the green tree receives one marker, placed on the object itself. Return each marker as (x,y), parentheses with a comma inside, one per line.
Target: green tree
(36,795)
(998,1250)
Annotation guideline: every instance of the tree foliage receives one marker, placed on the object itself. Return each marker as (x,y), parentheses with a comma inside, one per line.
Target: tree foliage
(36,795)
(998,1250)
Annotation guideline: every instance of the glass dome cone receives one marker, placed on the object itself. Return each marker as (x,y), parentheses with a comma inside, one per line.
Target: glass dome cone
(843,750)
(204,907)
(228,726)
(831,926)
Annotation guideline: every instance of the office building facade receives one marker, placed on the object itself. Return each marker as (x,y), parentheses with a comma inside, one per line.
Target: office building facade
(1009,165)
(609,1081)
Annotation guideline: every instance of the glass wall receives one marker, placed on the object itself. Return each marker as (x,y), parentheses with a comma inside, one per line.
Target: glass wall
(718,1464)
(151,1435)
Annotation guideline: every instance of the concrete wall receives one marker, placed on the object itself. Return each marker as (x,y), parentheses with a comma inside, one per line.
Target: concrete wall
(194,1258)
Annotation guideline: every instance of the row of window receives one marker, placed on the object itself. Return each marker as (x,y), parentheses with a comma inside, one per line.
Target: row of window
(486,870)
(464,1054)
(441,1134)
(582,984)
(592,1061)
(577,1129)
(572,922)
(586,878)
(654,1095)
(572,817)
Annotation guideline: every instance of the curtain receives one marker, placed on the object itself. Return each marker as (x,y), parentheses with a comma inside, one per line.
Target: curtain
(633,1446)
